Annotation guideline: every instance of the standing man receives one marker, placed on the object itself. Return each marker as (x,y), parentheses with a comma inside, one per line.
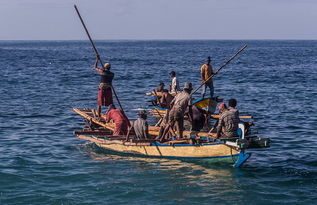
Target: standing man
(229,121)
(104,91)
(179,105)
(206,71)
(141,127)
(174,87)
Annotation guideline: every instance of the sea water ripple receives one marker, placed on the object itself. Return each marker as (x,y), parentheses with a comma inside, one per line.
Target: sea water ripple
(43,163)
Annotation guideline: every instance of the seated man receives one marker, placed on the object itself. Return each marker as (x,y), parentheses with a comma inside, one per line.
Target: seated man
(120,120)
(222,108)
(141,127)
(166,99)
(228,121)
(160,88)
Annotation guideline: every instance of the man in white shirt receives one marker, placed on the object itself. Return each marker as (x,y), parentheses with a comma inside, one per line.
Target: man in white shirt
(174,87)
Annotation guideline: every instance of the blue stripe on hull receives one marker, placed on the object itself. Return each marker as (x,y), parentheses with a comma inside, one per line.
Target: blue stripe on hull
(184,145)
(218,157)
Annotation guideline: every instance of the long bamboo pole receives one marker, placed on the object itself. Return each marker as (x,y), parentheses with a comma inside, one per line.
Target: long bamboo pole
(96,51)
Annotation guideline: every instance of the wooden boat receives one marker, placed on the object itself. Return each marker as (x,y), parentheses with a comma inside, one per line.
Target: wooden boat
(204,148)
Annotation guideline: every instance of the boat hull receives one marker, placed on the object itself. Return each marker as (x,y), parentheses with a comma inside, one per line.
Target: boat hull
(207,152)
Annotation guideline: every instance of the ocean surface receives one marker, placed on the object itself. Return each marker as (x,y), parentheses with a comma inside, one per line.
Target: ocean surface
(42,162)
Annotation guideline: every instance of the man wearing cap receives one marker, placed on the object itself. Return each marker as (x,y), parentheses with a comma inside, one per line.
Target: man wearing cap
(179,105)
(174,87)
(141,127)
(104,90)
(206,71)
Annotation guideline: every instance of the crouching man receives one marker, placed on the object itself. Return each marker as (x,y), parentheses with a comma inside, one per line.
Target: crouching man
(120,120)
(141,127)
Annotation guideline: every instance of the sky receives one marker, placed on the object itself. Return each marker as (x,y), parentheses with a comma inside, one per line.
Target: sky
(158,19)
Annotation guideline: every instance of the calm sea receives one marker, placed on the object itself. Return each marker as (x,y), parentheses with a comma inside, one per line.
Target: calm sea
(43,163)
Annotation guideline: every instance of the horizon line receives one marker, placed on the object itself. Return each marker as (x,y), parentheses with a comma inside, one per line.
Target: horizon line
(225,39)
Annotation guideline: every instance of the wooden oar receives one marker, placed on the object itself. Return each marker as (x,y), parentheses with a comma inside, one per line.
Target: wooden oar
(224,65)
(161,117)
(241,117)
(171,127)
(154,91)
(96,51)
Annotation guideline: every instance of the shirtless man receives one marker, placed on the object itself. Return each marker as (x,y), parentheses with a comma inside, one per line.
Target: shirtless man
(166,99)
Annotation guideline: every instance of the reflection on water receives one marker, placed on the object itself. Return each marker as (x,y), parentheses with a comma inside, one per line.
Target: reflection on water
(216,179)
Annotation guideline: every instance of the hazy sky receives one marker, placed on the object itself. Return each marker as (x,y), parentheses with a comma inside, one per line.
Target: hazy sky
(158,19)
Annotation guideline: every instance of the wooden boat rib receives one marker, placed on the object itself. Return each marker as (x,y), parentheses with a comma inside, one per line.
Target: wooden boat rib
(159,93)
(158,112)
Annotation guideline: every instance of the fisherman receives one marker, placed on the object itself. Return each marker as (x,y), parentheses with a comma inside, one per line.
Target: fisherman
(198,119)
(232,104)
(120,120)
(160,88)
(229,121)
(141,127)
(222,108)
(104,91)
(179,105)
(206,72)
(174,87)
(166,99)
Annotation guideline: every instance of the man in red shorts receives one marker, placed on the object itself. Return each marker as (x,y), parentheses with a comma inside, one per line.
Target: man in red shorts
(104,91)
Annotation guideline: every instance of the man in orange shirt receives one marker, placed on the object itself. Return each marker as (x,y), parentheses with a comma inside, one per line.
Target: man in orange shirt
(206,72)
